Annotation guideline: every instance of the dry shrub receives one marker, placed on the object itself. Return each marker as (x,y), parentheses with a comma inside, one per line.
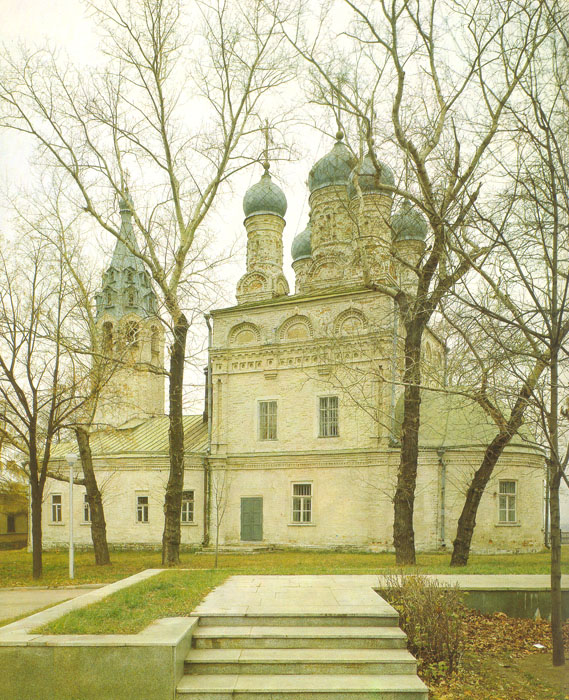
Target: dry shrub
(431,615)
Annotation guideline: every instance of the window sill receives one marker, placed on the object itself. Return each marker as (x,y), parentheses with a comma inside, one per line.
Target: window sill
(60,524)
(302,524)
(85,522)
(516,524)
(188,524)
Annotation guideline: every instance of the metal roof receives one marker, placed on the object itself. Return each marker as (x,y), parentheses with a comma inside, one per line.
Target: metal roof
(149,437)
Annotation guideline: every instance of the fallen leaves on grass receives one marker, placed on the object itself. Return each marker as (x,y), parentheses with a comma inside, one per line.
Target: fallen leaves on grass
(489,633)
(493,664)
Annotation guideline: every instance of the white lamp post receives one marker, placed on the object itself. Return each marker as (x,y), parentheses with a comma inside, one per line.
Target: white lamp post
(71,459)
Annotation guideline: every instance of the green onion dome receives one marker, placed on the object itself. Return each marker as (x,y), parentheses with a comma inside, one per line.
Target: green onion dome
(334,168)
(369,179)
(264,198)
(302,245)
(409,224)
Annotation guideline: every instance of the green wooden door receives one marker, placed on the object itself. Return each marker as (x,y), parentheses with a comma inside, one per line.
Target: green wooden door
(251,519)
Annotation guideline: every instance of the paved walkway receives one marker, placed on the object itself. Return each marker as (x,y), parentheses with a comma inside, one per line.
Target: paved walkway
(22,601)
(295,595)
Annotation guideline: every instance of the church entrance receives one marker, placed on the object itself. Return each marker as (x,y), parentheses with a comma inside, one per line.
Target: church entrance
(251,519)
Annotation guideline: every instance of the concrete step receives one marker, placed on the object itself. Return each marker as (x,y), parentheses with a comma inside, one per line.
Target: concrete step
(296,620)
(299,687)
(300,661)
(265,637)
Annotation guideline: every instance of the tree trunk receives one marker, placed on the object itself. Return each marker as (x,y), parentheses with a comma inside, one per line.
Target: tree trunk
(404,501)
(556,604)
(37,563)
(467,520)
(173,499)
(98,524)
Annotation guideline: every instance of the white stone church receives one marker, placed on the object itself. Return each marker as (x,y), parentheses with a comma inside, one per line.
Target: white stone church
(300,445)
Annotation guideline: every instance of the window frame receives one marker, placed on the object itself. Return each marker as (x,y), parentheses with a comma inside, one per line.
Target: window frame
(142,509)
(322,433)
(191,500)
(56,508)
(303,498)
(260,427)
(511,503)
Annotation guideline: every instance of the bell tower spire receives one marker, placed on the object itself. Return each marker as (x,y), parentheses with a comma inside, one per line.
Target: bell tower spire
(130,333)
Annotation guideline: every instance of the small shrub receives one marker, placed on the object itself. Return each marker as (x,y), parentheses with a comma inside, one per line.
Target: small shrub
(431,615)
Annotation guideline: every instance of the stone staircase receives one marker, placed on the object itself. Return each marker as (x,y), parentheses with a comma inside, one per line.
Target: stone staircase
(285,656)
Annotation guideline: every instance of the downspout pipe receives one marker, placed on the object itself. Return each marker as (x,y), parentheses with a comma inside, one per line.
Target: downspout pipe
(393,437)
(441,453)
(207,467)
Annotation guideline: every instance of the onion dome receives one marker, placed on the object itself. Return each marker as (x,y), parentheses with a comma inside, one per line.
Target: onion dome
(302,244)
(369,179)
(409,224)
(265,197)
(334,168)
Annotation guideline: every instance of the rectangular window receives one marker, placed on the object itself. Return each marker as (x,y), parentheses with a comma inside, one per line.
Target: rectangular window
(142,509)
(187,506)
(56,508)
(10,524)
(328,416)
(507,502)
(267,420)
(302,503)
(86,510)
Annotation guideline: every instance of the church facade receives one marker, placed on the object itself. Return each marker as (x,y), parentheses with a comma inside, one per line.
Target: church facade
(299,446)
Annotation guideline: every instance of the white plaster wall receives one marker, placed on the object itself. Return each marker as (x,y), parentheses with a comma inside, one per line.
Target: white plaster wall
(120,488)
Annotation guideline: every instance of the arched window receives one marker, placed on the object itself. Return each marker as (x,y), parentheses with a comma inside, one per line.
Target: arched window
(107,338)
(131,333)
(130,297)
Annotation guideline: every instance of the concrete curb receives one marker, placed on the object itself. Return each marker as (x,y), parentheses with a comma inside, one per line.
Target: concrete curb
(118,666)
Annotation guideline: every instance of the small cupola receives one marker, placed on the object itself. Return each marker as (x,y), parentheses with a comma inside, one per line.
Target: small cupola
(302,246)
(408,224)
(265,197)
(334,168)
(370,179)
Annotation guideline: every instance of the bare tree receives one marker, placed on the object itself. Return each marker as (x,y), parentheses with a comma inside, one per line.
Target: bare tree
(431,83)
(220,487)
(177,105)
(38,374)
(529,280)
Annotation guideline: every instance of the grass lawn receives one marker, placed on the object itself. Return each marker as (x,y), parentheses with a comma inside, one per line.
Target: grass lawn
(168,594)
(16,566)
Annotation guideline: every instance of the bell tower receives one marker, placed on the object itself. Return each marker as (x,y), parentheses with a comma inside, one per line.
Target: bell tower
(130,335)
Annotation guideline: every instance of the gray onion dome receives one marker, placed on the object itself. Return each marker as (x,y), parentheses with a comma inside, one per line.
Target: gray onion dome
(264,198)
(334,168)
(369,179)
(409,224)
(302,244)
